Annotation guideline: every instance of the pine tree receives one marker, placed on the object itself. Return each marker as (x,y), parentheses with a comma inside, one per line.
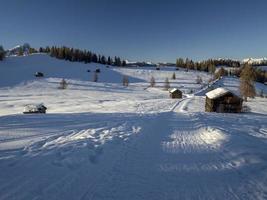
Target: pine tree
(247,77)
(2,53)
(123,63)
(103,60)
(109,61)
(41,50)
(167,84)
(94,58)
(20,52)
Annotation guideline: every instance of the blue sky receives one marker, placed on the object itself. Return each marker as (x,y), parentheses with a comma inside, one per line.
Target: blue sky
(159,30)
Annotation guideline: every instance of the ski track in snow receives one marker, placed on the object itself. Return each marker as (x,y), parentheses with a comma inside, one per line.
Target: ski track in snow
(159,156)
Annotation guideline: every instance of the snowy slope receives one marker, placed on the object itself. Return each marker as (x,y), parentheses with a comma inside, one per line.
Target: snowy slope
(26,66)
(105,141)
(83,95)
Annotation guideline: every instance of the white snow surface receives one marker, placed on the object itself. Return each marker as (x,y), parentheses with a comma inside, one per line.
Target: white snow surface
(106,141)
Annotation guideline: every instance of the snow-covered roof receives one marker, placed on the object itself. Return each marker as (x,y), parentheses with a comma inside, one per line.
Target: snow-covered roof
(173,90)
(217,93)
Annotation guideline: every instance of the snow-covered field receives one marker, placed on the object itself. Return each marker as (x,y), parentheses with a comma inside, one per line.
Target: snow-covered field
(106,141)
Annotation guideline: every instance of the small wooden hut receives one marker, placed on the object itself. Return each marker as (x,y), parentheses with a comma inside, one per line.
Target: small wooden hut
(222,100)
(31,109)
(176,94)
(39,74)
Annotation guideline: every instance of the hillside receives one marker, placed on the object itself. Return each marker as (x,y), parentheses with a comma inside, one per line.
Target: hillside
(102,140)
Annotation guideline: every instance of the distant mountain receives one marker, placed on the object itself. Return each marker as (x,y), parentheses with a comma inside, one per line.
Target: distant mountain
(255,61)
(140,64)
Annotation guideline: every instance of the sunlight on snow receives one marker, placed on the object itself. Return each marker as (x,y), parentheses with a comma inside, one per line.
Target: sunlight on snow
(204,139)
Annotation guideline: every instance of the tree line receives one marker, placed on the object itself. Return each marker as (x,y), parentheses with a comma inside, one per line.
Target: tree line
(211,64)
(77,55)
(206,65)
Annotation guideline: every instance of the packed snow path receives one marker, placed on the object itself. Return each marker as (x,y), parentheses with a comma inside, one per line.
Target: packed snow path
(162,156)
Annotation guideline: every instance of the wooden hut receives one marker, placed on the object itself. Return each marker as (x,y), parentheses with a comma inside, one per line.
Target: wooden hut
(39,74)
(176,94)
(222,100)
(31,109)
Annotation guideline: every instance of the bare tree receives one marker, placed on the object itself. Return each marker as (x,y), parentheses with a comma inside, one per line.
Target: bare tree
(152,81)
(261,93)
(167,84)
(125,81)
(199,80)
(63,84)
(95,77)
(221,72)
(247,77)
(173,76)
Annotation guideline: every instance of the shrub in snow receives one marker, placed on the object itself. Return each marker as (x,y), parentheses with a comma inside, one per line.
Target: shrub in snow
(167,84)
(95,77)
(97,70)
(63,84)
(152,82)
(125,81)
(199,80)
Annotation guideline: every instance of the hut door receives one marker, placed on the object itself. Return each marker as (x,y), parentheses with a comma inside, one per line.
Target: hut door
(220,108)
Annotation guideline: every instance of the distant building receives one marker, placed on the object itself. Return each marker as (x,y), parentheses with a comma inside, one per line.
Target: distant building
(39,74)
(31,109)
(176,94)
(222,100)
